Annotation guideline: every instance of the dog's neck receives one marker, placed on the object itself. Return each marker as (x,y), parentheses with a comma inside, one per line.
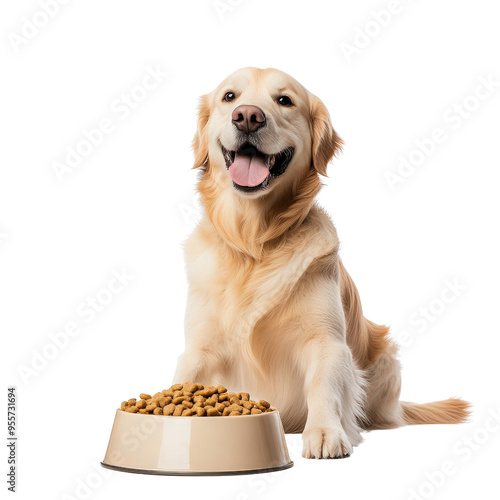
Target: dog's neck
(254,227)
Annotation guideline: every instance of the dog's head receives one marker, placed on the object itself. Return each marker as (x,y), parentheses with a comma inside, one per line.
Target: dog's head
(260,129)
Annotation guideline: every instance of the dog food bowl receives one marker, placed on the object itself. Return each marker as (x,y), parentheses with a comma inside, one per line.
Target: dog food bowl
(197,446)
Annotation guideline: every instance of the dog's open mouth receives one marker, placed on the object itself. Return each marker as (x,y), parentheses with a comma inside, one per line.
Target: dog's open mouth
(252,170)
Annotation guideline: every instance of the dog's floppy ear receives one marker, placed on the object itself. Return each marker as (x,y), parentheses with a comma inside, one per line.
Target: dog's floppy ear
(325,141)
(200,141)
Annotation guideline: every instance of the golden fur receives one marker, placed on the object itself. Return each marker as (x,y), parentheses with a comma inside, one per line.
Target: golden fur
(271,309)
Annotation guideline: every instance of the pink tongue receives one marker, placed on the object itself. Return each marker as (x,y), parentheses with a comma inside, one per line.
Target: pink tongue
(249,170)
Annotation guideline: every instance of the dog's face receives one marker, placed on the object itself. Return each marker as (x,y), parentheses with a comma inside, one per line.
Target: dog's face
(260,129)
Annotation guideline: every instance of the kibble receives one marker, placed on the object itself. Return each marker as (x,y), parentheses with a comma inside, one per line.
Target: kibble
(196,400)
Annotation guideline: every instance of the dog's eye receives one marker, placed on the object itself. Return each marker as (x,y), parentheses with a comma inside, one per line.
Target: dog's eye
(228,97)
(284,100)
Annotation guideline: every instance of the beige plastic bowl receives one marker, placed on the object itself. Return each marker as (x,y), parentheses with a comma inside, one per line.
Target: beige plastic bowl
(155,444)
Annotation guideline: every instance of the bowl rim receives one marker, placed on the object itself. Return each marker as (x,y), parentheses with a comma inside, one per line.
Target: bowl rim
(161,472)
(197,417)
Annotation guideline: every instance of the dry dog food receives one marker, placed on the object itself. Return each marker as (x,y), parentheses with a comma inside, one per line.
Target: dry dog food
(196,400)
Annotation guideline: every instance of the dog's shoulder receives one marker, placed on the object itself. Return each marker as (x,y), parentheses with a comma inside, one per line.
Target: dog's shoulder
(316,235)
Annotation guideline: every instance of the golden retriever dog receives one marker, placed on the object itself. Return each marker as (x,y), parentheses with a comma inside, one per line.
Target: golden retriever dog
(271,310)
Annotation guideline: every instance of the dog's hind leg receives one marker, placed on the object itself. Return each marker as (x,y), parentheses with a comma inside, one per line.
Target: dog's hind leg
(383,378)
(376,354)
(383,408)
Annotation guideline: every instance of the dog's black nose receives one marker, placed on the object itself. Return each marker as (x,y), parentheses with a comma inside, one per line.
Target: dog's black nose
(248,118)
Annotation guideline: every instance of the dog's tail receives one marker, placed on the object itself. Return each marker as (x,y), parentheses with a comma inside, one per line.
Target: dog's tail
(448,411)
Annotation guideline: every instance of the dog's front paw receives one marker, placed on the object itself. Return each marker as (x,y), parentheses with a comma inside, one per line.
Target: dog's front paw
(325,443)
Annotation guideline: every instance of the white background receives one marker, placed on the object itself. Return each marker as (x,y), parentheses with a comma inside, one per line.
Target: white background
(130,204)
